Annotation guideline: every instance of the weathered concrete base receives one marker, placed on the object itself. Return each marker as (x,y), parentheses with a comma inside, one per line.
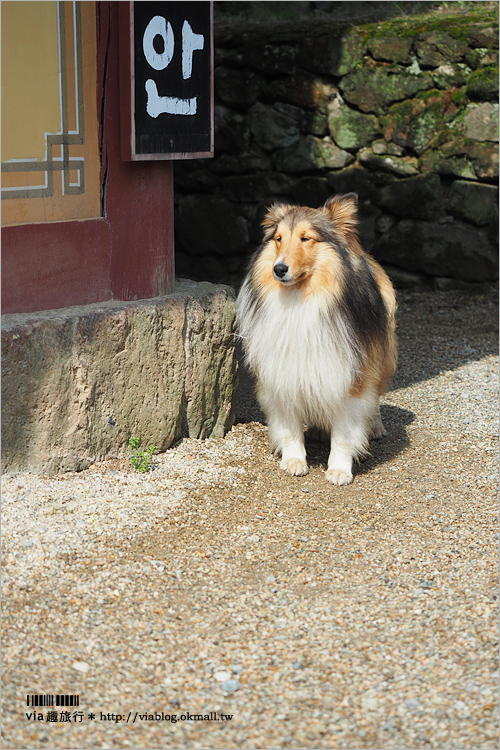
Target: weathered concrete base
(78,382)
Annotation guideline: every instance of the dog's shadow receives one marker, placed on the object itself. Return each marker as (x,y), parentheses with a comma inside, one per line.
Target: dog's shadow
(396,441)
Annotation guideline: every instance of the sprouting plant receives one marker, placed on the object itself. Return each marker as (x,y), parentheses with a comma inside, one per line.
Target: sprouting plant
(140,460)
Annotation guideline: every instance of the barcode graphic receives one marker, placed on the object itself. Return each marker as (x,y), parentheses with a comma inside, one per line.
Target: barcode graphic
(53,700)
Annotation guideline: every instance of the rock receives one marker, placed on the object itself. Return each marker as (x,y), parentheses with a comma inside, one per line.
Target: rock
(412,703)
(331,55)
(450,249)
(253,160)
(315,123)
(416,124)
(376,85)
(483,36)
(206,267)
(369,702)
(385,222)
(311,191)
(190,180)
(237,87)
(326,154)
(462,157)
(437,48)
(481,56)
(274,126)
(230,686)
(272,59)
(368,219)
(209,224)
(382,147)
(403,166)
(304,91)
(450,75)
(474,202)
(81,666)
(354,180)
(419,197)
(390,49)
(266,185)
(481,122)
(222,676)
(406,279)
(351,129)
(165,368)
(231,130)
(311,153)
(483,83)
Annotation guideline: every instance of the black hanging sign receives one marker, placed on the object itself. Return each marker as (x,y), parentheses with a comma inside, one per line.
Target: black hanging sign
(166,86)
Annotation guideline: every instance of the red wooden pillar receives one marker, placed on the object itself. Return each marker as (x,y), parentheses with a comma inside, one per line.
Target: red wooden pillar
(138,196)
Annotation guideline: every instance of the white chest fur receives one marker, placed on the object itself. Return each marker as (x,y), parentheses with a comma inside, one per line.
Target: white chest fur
(301,353)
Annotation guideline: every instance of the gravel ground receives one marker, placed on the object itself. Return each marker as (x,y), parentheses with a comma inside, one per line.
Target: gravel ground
(218,586)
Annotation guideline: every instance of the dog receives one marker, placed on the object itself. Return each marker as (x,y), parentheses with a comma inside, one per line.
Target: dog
(316,315)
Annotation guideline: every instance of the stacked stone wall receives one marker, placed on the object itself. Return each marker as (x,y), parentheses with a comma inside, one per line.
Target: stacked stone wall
(403,112)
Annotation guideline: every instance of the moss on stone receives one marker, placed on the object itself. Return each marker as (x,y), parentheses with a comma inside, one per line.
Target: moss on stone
(457,26)
(377,85)
(351,129)
(419,123)
(462,157)
(459,97)
(483,83)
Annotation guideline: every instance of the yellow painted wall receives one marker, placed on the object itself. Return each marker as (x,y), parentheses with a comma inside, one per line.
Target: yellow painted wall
(30,75)
(49,84)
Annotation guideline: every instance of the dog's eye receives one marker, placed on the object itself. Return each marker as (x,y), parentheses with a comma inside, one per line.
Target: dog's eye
(278,238)
(305,239)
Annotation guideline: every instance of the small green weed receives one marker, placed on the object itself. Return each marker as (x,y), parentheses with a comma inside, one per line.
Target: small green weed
(140,460)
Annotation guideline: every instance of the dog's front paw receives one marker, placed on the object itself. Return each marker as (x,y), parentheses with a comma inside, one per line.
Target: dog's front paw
(340,477)
(377,431)
(295,466)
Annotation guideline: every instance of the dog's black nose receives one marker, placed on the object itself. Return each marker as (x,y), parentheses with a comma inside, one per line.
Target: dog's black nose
(280,270)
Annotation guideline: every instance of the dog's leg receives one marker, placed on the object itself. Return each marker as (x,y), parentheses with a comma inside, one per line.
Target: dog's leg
(286,435)
(377,429)
(349,438)
(293,456)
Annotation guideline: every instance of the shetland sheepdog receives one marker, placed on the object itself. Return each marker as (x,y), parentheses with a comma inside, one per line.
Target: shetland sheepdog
(316,316)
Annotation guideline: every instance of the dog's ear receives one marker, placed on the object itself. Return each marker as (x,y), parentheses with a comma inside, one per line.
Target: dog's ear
(342,210)
(274,215)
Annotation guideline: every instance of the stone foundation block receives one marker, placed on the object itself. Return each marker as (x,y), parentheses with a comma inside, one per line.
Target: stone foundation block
(78,382)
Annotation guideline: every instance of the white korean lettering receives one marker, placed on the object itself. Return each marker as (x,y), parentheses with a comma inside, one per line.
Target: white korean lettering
(190,43)
(158,26)
(170,105)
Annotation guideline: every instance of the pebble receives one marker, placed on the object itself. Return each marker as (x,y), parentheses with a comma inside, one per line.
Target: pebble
(222,676)
(230,686)
(81,666)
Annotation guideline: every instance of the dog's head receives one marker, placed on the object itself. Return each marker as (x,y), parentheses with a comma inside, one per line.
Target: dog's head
(301,242)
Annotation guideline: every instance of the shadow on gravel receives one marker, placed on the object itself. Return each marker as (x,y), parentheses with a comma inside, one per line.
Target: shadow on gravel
(442,331)
(395,442)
